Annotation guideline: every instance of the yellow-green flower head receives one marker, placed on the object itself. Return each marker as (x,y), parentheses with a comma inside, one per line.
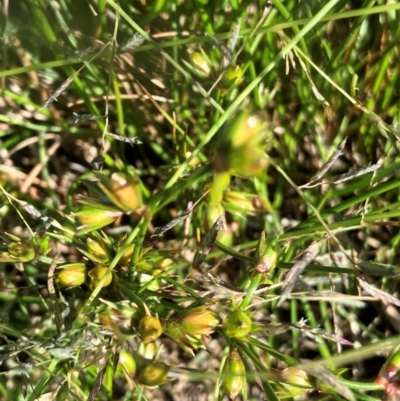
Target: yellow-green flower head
(237,324)
(154,374)
(198,321)
(149,328)
(96,274)
(234,374)
(72,275)
(126,364)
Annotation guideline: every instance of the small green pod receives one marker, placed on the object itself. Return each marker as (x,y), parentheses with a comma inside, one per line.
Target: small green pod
(153,375)
(237,324)
(198,321)
(234,374)
(149,328)
(72,275)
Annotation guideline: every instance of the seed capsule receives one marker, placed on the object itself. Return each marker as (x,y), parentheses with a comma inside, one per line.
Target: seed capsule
(295,376)
(199,64)
(124,191)
(241,147)
(147,350)
(234,374)
(154,374)
(72,275)
(187,342)
(237,324)
(149,328)
(21,251)
(98,250)
(95,216)
(232,78)
(96,274)
(126,363)
(198,321)
(237,202)
(266,254)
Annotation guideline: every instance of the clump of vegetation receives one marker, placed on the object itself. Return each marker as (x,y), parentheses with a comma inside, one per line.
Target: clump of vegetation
(199,200)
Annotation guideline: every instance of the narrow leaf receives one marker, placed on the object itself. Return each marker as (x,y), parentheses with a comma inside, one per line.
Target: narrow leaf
(235,36)
(308,256)
(226,53)
(58,92)
(77,118)
(382,295)
(22,369)
(208,242)
(302,326)
(97,385)
(279,328)
(220,288)
(378,269)
(327,166)
(329,378)
(61,353)
(132,141)
(160,231)
(357,173)
(81,53)
(135,41)
(30,209)
(396,128)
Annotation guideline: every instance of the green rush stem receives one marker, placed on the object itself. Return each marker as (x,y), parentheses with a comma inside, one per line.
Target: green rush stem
(44,379)
(143,224)
(346,224)
(294,317)
(269,392)
(255,281)
(45,171)
(219,184)
(361,386)
(323,348)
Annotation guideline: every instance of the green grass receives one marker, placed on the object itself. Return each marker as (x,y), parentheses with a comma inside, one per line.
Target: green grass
(201,210)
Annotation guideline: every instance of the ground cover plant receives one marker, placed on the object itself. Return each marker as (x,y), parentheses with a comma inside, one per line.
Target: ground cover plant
(199,200)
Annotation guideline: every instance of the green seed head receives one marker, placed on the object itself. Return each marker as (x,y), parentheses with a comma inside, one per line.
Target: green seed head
(72,275)
(21,251)
(154,374)
(198,321)
(147,350)
(96,274)
(232,78)
(149,328)
(98,250)
(234,374)
(124,191)
(126,363)
(187,342)
(95,216)
(199,64)
(237,324)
